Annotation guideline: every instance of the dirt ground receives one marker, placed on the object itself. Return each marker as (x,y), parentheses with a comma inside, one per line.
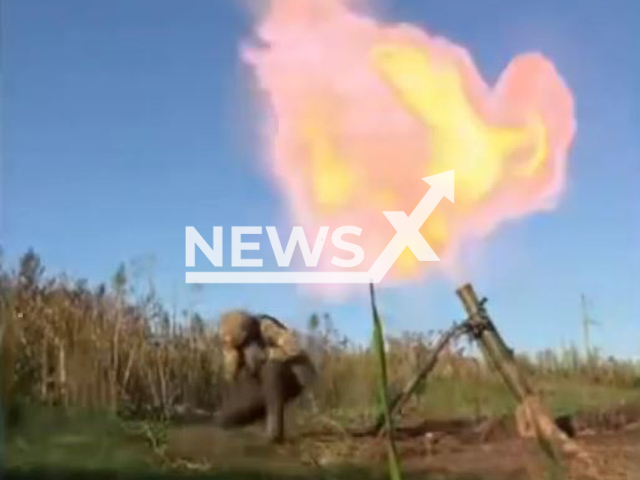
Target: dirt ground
(448,450)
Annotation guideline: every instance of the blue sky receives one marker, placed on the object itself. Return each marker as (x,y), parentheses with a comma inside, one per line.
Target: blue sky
(125,121)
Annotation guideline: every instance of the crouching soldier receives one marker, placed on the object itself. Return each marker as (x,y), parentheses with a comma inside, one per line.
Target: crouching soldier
(265,367)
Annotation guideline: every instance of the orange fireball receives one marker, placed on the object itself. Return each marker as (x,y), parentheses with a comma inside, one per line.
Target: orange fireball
(362,111)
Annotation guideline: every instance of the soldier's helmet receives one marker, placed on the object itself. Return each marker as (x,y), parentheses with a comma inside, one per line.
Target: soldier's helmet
(237,327)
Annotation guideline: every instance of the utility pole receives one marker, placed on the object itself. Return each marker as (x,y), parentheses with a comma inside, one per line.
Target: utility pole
(587,322)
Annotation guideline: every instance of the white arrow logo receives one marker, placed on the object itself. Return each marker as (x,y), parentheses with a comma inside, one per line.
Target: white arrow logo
(408,228)
(407,235)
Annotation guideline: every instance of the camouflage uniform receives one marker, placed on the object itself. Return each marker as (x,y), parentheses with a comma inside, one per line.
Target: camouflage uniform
(266,367)
(240,329)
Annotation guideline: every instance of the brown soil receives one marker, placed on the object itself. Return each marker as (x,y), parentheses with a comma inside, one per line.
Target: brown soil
(486,448)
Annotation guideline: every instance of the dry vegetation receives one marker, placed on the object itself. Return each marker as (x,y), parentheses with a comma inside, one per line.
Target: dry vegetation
(64,343)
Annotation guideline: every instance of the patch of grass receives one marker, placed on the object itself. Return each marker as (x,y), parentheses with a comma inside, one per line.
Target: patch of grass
(450,397)
(53,439)
(569,396)
(444,398)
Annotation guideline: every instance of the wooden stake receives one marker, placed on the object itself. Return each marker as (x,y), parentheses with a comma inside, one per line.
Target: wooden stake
(492,344)
(530,410)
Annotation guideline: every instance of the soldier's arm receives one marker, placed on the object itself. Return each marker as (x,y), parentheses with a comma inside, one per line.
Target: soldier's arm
(231,363)
(237,328)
